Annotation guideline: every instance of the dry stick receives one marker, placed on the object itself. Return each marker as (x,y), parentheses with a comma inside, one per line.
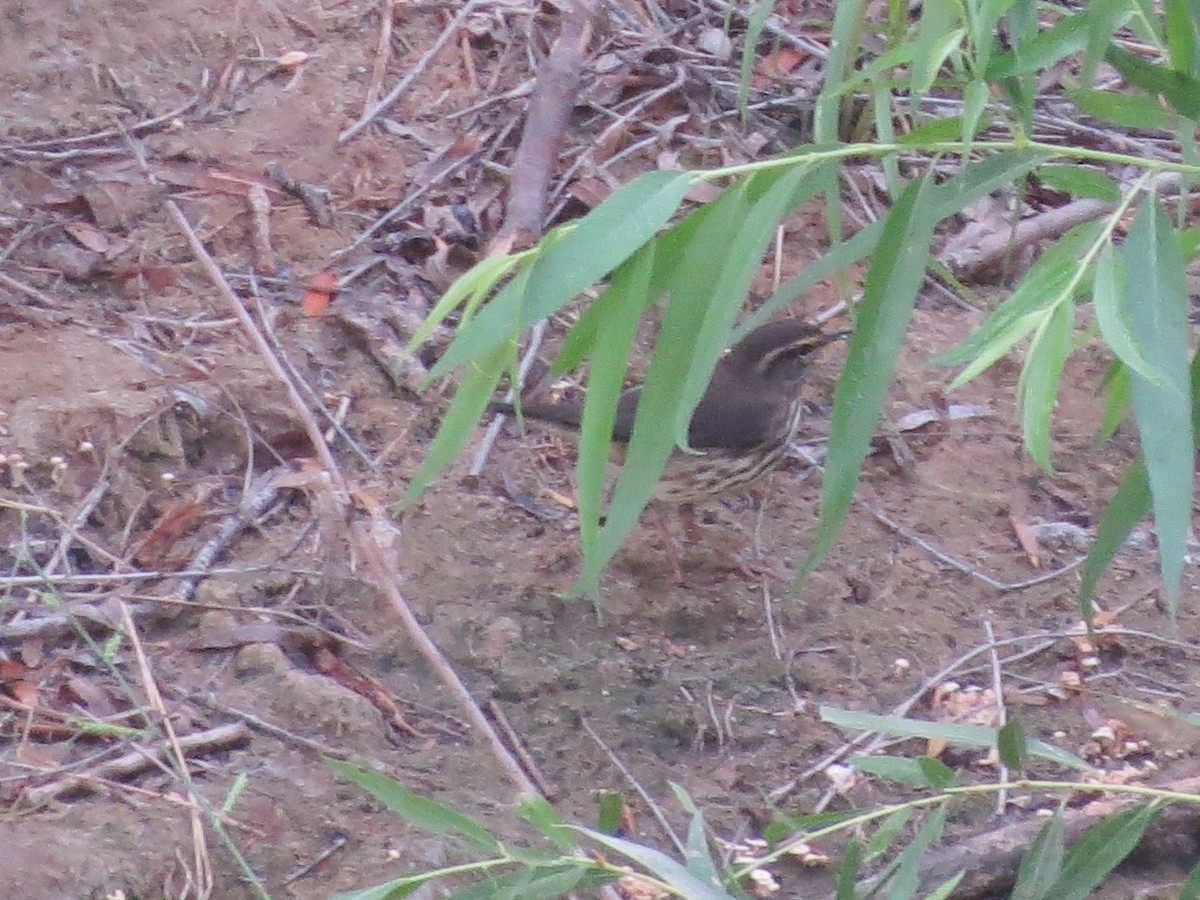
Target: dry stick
(1051,223)
(1001,716)
(382,52)
(989,862)
(518,747)
(111,133)
(214,740)
(654,808)
(379,564)
(377,560)
(493,429)
(262,493)
(1002,586)
(549,110)
(408,203)
(412,74)
(550,107)
(200,858)
(281,734)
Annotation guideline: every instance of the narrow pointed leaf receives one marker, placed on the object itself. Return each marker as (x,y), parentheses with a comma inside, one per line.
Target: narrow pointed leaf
(1191,887)
(897,270)
(1128,506)
(653,436)
(975,735)
(1039,380)
(886,834)
(921,771)
(625,295)
(579,256)
(420,811)
(698,856)
(1180,90)
(904,882)
(1080,182)
(474,391)
(661,866)
(538,812)
(1109,298)
(1158,305)
(1041,866)
(848,872)
(1182,28)
(1067,36)
(1099,850)
(1013,746)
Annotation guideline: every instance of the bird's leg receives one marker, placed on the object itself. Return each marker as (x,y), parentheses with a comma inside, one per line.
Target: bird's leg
(669,543)
(687,518)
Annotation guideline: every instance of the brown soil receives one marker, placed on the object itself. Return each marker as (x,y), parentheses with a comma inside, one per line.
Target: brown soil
(123,364)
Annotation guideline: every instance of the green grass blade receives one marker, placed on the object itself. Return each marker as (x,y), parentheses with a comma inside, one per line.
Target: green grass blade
(1158,303)
(896,272)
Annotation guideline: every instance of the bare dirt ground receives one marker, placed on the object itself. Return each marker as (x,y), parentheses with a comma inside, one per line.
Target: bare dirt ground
(135,413)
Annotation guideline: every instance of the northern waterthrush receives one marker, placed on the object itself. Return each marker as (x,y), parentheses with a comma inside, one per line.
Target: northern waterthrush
(741,427)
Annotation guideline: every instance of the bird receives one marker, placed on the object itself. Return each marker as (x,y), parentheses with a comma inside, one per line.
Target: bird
(740,429)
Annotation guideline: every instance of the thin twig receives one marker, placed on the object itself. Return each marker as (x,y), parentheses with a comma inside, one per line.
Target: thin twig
(1002,586)
(413,73)
(1001,712)
(654,808)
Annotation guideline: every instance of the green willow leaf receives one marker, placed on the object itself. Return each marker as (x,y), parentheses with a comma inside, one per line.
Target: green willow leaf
(1012,745)
(579,256)
(1039,380)
(1125,110)
(661,866)
(420,811)
(613,344)
(1109,299)
(904,883)
(1180,90)
(890,290)
(921,771)
(1067,36)
(1041,866)
(1099,850)
(1080,181)
(475,390)
(1158,304)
